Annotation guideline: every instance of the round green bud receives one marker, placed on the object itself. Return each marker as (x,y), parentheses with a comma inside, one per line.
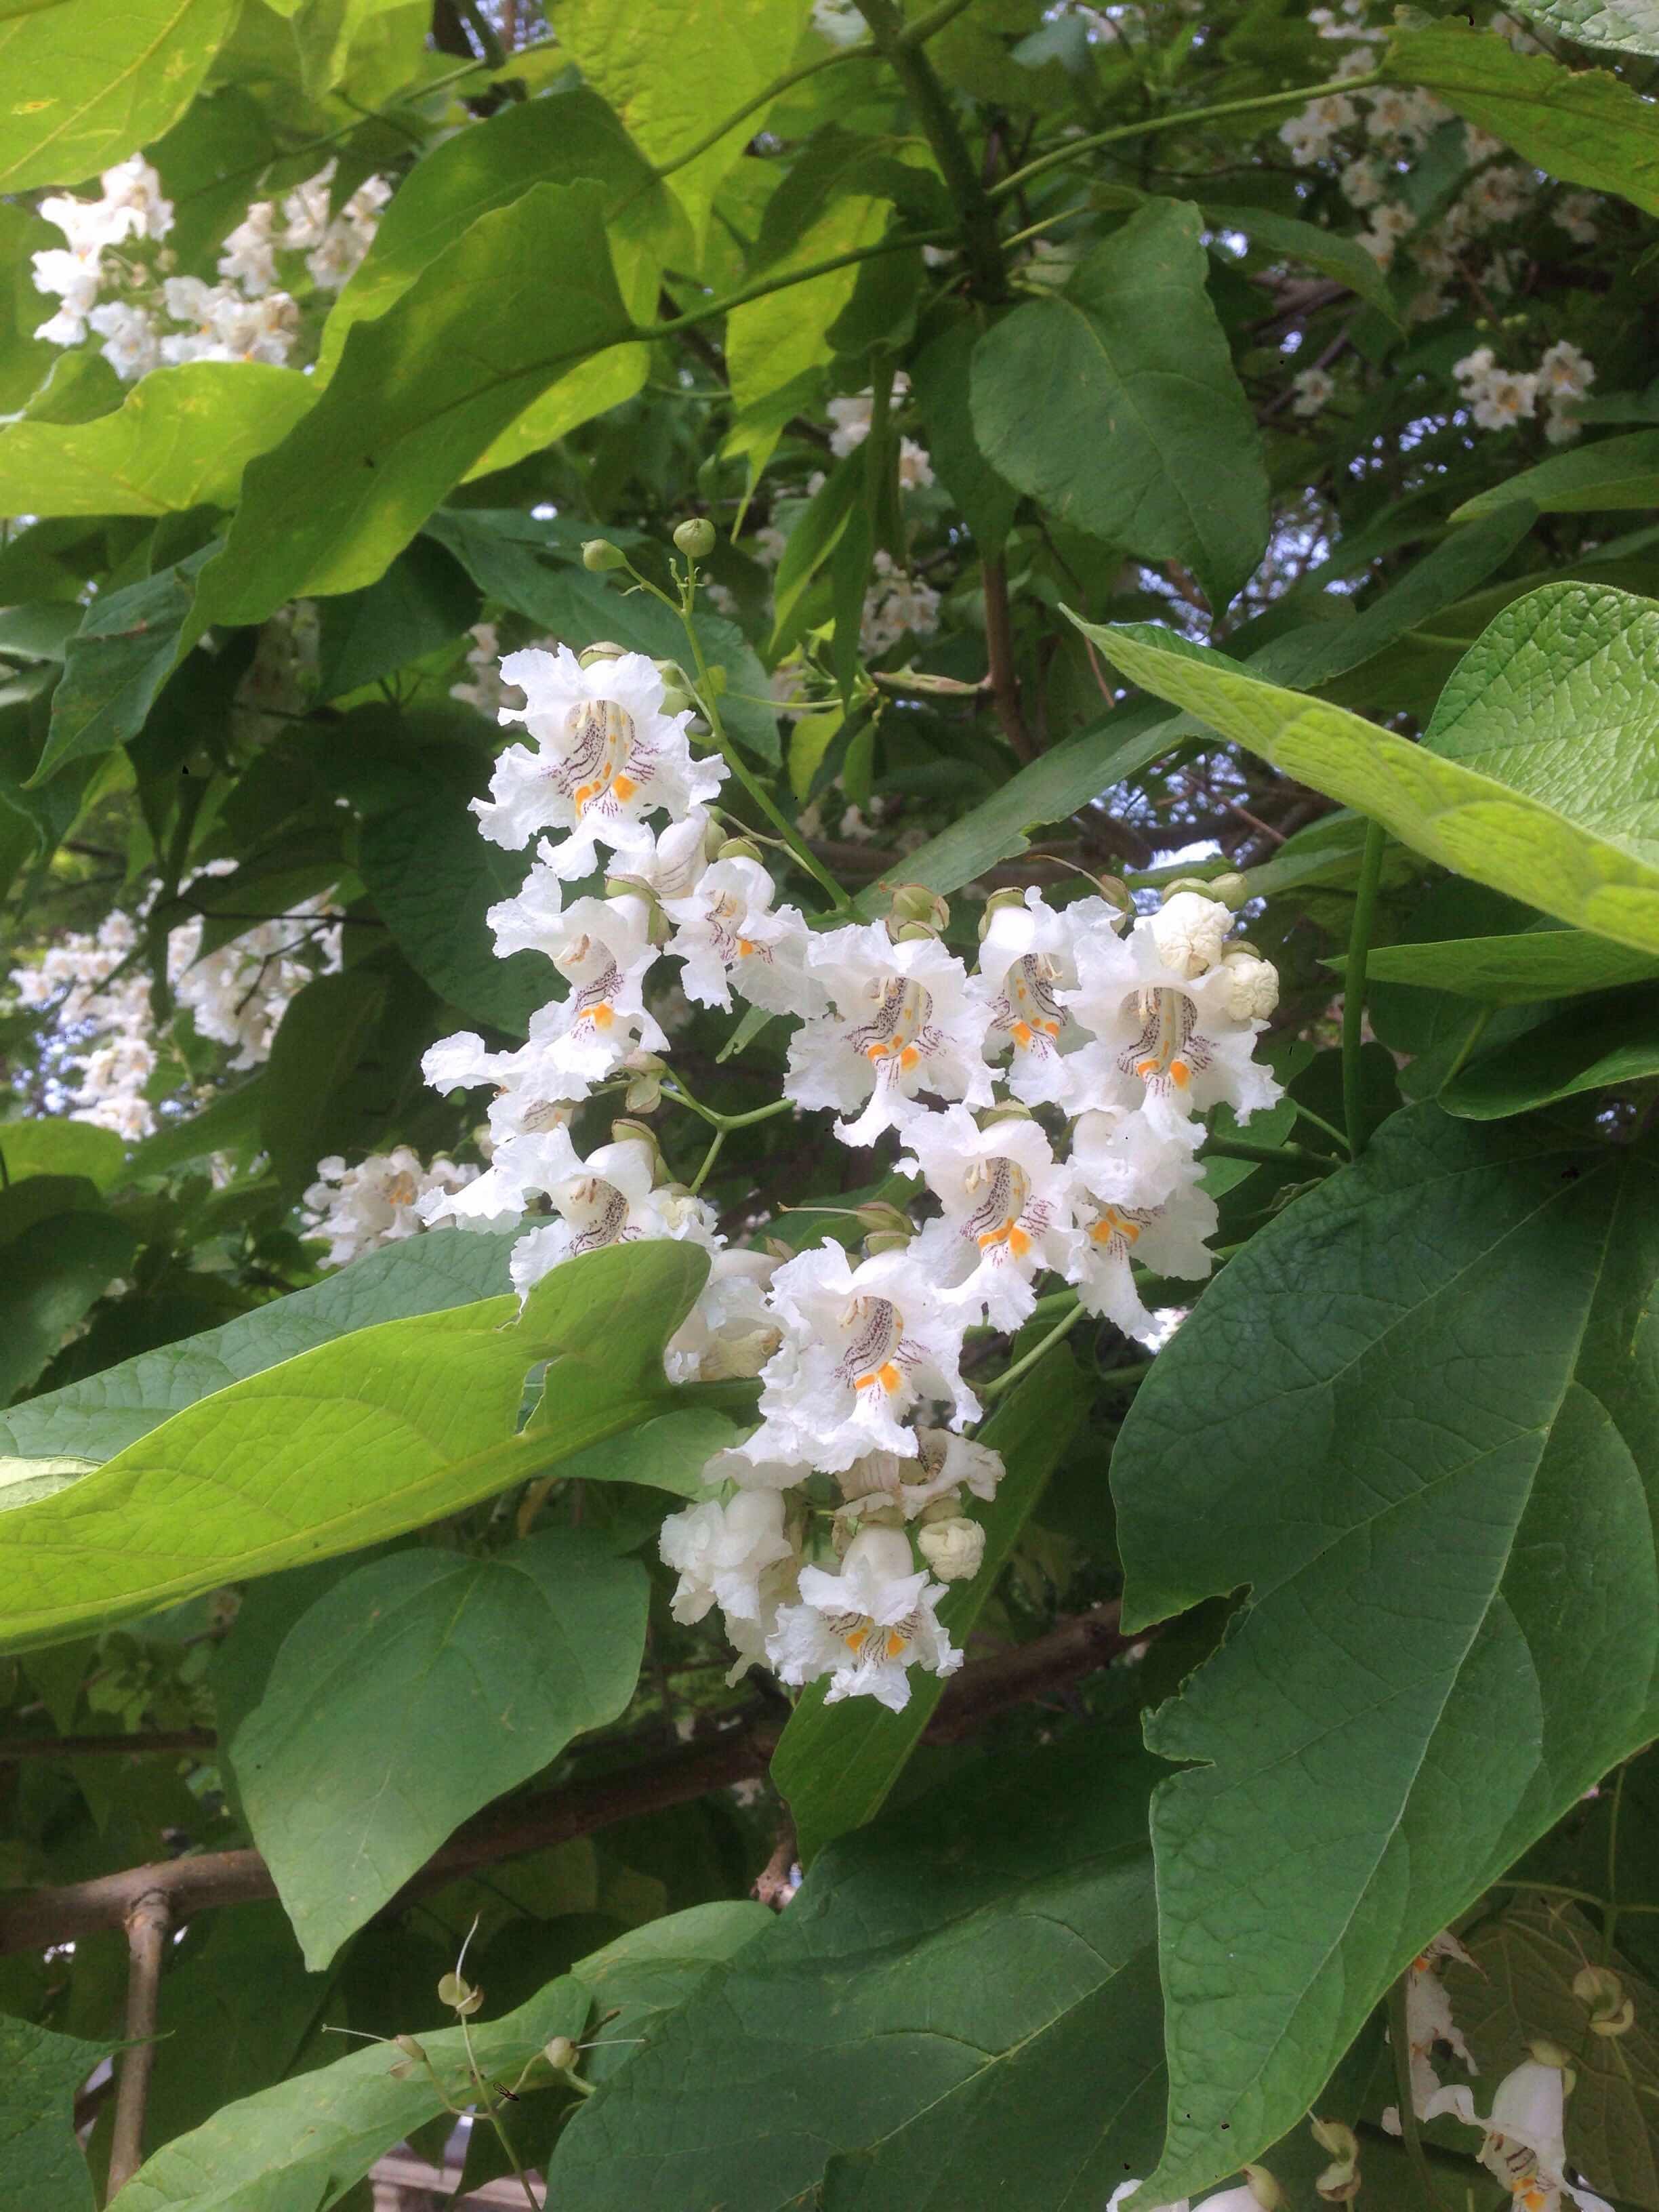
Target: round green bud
(561,2053)
(883,1219)
(915,902)
(738,848)
(622,1131)
(696,537)
(604,649)
(599,554)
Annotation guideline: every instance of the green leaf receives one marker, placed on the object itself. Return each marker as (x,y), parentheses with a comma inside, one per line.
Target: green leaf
(1512,971)
(1115,405)
(1549,854)
(1438,1368)
(1611,474)
(569,135)
(423,600)
(93,1420)
(960,2008)
(671,76)
(341,1765)
(1332,253)
(227,1123)
(379,1432)
(116,665)
(324,1036)
(1587,1047)
(419,394)
(25,359)
(180,439)
(95,82)
(59,1147)
(652,1970)
(41,2168)
(669,1452)
(1520,1990)
(55,1271)
(303,2143)
(1629,27)
(835,1764)
(433,877)
(942,381)
(1583,126)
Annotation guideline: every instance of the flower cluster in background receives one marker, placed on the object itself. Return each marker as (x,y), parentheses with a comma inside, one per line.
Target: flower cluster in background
(115,278)
(1048,1099)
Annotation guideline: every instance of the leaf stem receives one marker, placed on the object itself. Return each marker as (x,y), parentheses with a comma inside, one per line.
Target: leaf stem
(1353,986)
(1471,1036)
(716,1144)
(675,1089)
(1024,1366)
(1307,1114)
(1237,1148)
(1293,95)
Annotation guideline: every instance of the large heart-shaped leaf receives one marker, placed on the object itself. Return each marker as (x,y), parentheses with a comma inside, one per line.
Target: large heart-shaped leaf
(340,1765)
(1539,832)
(41,2167)
(377,1433)
(1115,405)
(1418,1418)
(961,2006)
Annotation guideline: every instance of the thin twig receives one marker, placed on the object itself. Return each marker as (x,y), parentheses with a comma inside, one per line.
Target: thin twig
(774,1885)
(1000,655)
(148,1925)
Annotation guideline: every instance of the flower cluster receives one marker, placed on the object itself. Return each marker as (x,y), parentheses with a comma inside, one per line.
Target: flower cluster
(247,315)
(97,990)
(1047,1098)
(359,1209)
(1498,397)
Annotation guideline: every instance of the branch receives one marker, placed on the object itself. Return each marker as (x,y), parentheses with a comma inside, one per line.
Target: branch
(149,1925)
(38,1917)
(177,1740)
(1000,656)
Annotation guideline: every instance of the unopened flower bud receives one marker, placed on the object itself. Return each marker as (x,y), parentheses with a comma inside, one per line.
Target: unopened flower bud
(885,1240)
(916,911)
(1188,930)
(411,2049)
(1611,2013)
(599,554)
(560,2054)
(1551,2054)
(738,848)
(642,1133)
(696,537)
(952,1547)
(643,1095)
(1116,892)
(674,679)
(1252,984)
(1006,1109)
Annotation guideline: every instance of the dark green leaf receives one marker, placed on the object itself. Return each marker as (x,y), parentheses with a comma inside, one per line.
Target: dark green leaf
(1327,251)
(1115,405)
(50,1145)
(55,1270)
(1512,971)
(423,600)
(342,1766)
(41,2168)
(1593,1046)
(1432,1370)
(116,665)
(1611,474)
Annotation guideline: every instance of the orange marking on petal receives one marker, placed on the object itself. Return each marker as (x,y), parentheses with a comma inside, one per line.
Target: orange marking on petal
(624,786)
(856,1640)
(1022,1033)
(875,1052)
(1144,1068)
(889,1377)
(601,1016)
(909,1056)
(1019,1243)
(745,948)
(1180,1074)
(585,793)
(894,1644)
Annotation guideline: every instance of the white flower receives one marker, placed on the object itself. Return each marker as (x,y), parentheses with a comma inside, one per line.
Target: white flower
(861,1345)
(1188,931)
(537,1087)
(1364,183)
(852,417)
(904,1017)
(946,1464)
(1313,388)
(1308,135)
(1523,2147)
(1563,373)
(721,1551)
(603,947)
(1007,1212)
(249,256)
(1027,957)
(897,605)
(75,276)
(953,1548)
(1496,397)
(521,1168)
(1160,1037)
(866,1625)
(730,1331)
(1576,214)
(305,211)
(611,1198)
(727,933)
(1429,2018)
(359,1209)
(131,205)
(131,346)
(1252,985)
(1168,1235)
(606,757)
